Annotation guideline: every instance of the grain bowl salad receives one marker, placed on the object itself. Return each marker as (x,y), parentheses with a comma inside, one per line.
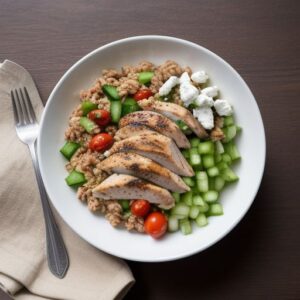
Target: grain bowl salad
(151,147)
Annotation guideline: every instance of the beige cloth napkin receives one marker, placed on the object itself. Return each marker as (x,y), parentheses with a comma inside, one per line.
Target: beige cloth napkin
(24,273)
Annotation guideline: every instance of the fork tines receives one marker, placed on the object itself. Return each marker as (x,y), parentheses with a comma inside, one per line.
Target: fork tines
(22,107)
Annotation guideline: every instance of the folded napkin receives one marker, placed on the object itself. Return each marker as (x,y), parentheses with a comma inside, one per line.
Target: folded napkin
(24,272)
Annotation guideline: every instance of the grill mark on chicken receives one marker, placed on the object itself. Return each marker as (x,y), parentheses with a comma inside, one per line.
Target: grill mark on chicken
(174,112)
(156,122)
(121,186)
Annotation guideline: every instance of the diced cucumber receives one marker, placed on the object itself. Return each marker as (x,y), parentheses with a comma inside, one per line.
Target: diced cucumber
(129,101)
(124,204)
(194,189)
(185,226)
(69,149)
(202,181)
(87,124)
(213,172)
(185,153)
(226,158)
(173,224)
(218,157)
(87,106)
(115,111)
(126,214)
(232,150)
(228,175)
(197,200)
(179,217)
(129,105)
(211,183)
(201,220)
(238,129)
(204,208)
(188,181)
(195,158)
(194,212)
(215,209)
(210,196)
(219,183)
(176,196)
(187,198)
(206,147)
(129,109)
(230,133)
(219,147)
(222,165)
(208,160)
(75,179)
(194,142)
(228,121)
(145,77)
(111,92)
(180,209)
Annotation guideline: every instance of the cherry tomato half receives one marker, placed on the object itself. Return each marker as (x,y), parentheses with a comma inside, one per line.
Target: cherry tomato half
(156,224)
(100,116)
(101,142)
(140,207)
(142,94)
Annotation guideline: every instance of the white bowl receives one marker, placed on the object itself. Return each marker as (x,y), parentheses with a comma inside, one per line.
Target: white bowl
(95,229)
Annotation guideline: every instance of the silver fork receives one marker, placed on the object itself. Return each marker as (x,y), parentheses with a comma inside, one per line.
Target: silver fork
(27,130)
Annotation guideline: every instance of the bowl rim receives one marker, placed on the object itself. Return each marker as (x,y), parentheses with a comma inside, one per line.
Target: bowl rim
(164,38)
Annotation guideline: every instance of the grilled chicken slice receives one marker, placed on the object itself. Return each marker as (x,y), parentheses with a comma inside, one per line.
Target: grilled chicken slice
(158,123)
(156,147)
(120,186)
(175,112)
(131,130)
(145,168)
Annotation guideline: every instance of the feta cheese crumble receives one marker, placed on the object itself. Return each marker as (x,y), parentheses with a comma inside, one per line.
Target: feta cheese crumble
(205,116)
(199,77)
(211,91)
(166,88)
(204,100)
(184,78)
(223,108)
(188,93)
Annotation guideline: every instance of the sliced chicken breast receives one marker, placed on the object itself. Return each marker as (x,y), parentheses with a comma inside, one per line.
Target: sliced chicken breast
(145,168)
(131,130)
(120,186)
(158,123)
(175,112)
(156,147)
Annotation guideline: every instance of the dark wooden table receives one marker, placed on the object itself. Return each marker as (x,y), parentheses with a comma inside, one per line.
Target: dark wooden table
(260,259)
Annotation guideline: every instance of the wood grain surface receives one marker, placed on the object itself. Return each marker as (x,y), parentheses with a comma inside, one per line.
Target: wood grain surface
(260,258)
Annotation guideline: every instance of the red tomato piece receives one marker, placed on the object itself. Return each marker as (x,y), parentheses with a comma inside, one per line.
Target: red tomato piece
(100,116)
(101,142)
(156,224)
(140,207)
(142,94)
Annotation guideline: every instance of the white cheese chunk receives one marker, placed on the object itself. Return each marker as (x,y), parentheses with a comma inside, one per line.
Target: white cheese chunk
(199,77)
(188,93)
(211,91)
(184,78)
(204,100)
(166,88)
(106,153)
(223,108)
(205,116)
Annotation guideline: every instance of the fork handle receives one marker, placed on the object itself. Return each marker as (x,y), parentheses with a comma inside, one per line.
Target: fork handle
(58,260)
